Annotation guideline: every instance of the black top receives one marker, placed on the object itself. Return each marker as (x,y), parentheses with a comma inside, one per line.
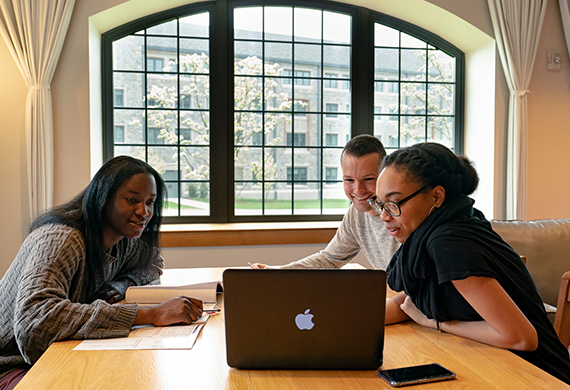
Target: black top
(455,242)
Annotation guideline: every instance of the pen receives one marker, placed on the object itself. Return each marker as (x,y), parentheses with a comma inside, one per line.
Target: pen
(207,311)
(250,265)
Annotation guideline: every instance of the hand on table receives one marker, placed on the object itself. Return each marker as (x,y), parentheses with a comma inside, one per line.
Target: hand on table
(264,266)
(179,310)
(415,314)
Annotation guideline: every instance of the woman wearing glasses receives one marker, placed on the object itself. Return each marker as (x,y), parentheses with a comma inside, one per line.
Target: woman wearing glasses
(455,273)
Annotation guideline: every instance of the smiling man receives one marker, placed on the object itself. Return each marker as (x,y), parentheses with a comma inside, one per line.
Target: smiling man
(359,230)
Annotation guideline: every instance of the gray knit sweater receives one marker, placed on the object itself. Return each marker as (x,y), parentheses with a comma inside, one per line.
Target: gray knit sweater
(359,231)
(42,294)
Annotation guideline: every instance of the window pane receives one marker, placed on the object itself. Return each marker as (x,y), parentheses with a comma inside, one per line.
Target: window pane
(386,36)
(133,122)
(308,24)
(441,66)
(194,199)
(337,58)
(409,110)
(197,124)
(337,27)
(167,28)
(194,56)
(278,23)
(386,64)
(248,22)
(170,119)
(132,85)
(195,25)
(247,55)
(308,54)
(128,53)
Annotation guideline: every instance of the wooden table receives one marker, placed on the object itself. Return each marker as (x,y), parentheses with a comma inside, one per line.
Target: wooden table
(478,366)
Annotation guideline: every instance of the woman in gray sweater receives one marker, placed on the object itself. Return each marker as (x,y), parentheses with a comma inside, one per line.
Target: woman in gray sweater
(78,261)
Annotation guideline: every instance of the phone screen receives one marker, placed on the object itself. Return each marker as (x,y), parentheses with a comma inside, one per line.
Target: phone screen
(416,374)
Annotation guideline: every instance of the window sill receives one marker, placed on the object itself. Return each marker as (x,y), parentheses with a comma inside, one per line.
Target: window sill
(231,234)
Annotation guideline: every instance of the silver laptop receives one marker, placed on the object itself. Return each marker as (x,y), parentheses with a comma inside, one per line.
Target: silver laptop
(304,319)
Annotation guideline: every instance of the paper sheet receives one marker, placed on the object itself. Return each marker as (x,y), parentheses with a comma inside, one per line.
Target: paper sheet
(151,337)
(168,337)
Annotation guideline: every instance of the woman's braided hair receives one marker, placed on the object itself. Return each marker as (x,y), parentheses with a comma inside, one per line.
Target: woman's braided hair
(432,164)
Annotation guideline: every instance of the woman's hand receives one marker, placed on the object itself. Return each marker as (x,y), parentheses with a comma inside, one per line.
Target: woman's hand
(180,310)
(415,314)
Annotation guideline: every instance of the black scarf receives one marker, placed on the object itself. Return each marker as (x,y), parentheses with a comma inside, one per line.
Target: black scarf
(411,264)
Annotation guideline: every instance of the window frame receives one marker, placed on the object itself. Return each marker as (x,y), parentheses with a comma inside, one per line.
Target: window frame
(221,91)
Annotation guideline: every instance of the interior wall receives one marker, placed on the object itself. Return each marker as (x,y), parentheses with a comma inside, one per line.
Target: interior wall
(548,112)
(13,192)
(549,126)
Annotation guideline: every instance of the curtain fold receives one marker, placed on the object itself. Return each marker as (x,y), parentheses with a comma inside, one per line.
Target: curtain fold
(565,15)
(34,31)
(517,25)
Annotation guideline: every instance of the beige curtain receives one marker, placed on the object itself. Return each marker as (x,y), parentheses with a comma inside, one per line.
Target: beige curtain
(34,31)
(517,25)
(565,14)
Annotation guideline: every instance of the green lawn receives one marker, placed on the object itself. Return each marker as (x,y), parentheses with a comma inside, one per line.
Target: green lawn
(286,204)
(274,204)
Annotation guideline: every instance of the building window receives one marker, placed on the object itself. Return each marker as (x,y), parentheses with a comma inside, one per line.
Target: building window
(331,174)
(297,174)
(332,110)
(301,77)
(330,80)
(119,97)
(154,64)
(297,139)
(119,134)
(185,102)
(271,87)
(331,139)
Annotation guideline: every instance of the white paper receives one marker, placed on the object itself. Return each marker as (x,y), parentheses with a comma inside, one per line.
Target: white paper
(162,337)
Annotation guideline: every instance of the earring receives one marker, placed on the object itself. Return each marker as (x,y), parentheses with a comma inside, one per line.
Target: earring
(432,208)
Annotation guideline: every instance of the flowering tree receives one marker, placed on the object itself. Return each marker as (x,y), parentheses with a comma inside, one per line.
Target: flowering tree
(439,98)
(251,92)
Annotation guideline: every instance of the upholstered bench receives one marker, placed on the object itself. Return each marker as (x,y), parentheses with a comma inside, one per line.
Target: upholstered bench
(546,246)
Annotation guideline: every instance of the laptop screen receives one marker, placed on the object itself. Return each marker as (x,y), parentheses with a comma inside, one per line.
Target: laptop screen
(304,319)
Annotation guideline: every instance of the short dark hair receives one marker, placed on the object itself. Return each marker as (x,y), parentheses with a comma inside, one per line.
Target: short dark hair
(86,212)
(362,145)
(432,164)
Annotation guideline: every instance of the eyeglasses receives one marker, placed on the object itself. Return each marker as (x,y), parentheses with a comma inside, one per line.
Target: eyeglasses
(391,207)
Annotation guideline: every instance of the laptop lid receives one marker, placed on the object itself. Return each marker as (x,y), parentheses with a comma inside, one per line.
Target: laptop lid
(304,319)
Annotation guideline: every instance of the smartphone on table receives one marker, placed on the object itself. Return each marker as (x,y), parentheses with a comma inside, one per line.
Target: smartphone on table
(413,375)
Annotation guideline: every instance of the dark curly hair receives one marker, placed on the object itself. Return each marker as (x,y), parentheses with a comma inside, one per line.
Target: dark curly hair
(432,164)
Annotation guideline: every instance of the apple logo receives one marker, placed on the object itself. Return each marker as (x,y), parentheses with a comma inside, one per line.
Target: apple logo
(304,321)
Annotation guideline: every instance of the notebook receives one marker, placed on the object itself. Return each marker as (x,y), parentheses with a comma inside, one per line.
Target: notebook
(304,319)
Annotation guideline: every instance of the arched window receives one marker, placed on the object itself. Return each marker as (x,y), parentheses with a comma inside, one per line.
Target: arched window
(245,107)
